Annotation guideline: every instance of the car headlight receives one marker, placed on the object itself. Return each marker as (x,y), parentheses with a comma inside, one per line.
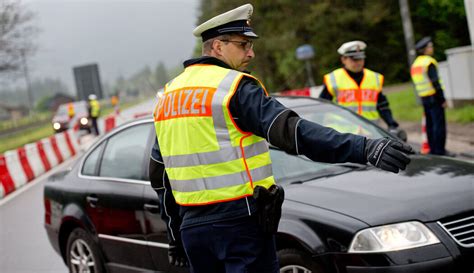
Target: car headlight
(56,125)
(84,121)
(392,237)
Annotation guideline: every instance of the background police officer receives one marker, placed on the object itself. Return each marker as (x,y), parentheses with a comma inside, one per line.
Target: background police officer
(94,112)
(428,85)
(359,89)
(204,159)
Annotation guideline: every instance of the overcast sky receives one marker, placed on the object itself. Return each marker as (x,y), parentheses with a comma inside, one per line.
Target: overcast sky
(122,36)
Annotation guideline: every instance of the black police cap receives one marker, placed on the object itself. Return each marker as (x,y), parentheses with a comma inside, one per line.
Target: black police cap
(421,44)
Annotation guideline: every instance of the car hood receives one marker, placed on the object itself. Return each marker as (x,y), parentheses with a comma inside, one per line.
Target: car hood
(431,188)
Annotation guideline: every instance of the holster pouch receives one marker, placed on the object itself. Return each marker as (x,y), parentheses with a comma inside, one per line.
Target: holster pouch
(269,202)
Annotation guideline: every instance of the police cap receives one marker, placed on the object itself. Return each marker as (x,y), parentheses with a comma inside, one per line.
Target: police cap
(236,21)
(353,49)
(421,44)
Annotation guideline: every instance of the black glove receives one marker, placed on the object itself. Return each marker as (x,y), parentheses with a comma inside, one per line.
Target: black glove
(176,254)
(269,202)
(388,154)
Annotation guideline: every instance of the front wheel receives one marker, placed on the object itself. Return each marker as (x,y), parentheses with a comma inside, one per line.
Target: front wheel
(83,254)
(296,261)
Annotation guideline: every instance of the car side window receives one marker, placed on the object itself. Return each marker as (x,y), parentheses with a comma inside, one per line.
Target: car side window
(90,163)
(125,151)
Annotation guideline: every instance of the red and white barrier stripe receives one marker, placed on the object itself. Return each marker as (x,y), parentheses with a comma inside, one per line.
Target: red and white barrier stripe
(18,167)
(48,150)
(63,146)
(312,91)
(6,181)
(15,169)
(34,158)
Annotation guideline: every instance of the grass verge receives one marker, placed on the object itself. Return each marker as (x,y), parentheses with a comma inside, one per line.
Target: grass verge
(24,137)
(405,108)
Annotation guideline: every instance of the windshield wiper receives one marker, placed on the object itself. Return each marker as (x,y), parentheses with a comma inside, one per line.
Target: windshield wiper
(351,165)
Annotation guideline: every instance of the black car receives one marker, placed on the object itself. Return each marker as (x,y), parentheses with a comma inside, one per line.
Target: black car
(103,215)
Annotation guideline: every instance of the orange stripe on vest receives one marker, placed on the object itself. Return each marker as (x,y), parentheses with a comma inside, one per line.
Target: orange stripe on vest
(188,102)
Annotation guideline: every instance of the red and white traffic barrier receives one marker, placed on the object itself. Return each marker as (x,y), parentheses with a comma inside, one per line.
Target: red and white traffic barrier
(312,91)
(34,158)
(18,167)
(15,169)
(49,152)
(6,182)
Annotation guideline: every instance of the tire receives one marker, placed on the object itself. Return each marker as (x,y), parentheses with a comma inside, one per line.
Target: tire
(296,261)
(83,254)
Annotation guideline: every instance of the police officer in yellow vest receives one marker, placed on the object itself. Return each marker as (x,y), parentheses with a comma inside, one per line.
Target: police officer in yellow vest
(211,165)
(94,112)
(359,89)
(428,85)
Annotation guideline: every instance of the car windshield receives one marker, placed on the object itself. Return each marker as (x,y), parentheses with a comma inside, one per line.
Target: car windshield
(341,120)
(298,169)
(80,108)
(62,110)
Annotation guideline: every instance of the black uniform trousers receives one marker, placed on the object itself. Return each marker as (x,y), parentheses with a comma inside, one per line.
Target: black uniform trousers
(230,246)
(435,125)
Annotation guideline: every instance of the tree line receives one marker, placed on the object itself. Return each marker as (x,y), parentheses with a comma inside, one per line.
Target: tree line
(283,25)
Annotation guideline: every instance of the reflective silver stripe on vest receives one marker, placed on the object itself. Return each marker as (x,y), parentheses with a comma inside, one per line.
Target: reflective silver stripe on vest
(377,80)
(332,77)
(366,108)
(221,181)
(223,155)
(220,126)
(352,108)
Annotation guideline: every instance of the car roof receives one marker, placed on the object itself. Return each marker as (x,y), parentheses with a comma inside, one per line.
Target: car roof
(287,101)
(298,101)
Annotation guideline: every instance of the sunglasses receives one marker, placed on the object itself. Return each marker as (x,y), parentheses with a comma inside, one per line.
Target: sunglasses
(246,44)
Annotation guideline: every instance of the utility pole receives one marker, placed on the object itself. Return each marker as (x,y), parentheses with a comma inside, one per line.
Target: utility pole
(27,80)
(409,37)
(407,30)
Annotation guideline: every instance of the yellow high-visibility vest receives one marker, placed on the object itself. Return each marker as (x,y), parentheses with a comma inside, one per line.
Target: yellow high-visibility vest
(419,75)
(360,99)
(95,108)
(207,157)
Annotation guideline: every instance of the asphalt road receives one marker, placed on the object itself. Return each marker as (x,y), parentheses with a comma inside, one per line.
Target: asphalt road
(24,245)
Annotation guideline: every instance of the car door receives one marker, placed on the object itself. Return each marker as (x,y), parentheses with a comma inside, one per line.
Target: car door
(156,232)
(115,198)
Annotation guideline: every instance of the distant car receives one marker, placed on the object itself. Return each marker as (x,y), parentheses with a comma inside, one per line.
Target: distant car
(102,214)
(61,120)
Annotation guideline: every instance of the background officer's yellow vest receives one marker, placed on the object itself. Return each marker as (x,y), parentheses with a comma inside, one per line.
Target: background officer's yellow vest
(360,99)
(207,158)
(419,75)
(95,108)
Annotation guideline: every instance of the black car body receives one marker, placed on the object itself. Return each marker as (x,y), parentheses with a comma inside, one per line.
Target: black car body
(62,122)
(103,213)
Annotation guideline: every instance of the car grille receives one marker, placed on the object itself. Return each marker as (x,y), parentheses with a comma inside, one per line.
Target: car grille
(462,230)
